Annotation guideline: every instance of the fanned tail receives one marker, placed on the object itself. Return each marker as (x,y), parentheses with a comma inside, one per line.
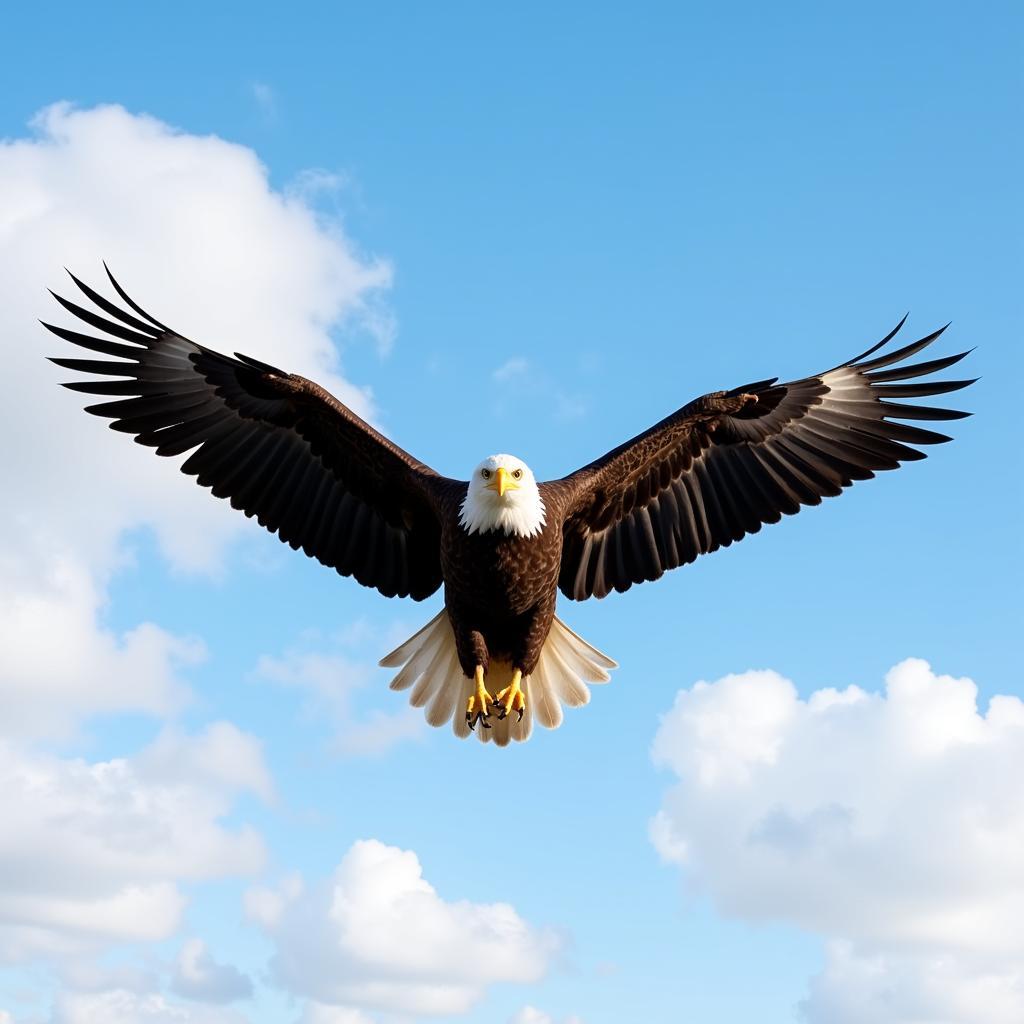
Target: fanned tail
(429,666)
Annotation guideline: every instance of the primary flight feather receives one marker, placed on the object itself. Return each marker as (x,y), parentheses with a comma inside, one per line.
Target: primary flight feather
(284,450)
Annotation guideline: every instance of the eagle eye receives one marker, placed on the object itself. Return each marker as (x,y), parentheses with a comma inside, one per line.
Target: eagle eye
(485,473)
(517,474)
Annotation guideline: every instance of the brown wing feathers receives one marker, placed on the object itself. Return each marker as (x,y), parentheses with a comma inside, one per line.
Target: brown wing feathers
(278,446)
(705,477)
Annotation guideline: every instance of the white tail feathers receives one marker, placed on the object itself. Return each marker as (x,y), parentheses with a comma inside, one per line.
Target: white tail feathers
(430,666)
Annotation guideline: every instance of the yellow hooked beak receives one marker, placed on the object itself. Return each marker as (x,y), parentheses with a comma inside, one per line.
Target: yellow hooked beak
(502,482)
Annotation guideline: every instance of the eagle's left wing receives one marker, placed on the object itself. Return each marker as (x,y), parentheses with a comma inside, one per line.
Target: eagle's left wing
(278,446)
(726,463)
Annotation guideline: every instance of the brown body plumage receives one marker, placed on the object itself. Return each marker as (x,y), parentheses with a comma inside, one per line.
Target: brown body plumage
(500,592)
(283,450)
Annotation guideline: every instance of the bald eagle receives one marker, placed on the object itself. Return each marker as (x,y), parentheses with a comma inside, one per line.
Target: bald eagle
(502,545)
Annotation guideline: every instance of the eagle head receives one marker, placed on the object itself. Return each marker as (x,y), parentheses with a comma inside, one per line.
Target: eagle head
(503,495)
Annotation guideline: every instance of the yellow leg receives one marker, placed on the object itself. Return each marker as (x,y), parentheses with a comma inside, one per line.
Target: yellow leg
(512,697)
(476,707)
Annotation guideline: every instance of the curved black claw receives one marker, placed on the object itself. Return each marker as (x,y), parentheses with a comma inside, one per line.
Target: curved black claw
(479,716)
(501,710)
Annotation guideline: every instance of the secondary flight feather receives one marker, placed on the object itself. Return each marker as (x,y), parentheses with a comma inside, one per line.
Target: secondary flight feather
(283,450)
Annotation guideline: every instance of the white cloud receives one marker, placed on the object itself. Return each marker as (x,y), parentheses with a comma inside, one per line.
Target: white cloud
(511,369)
(265,97)
(896,988)
(318,1013)
(377,936)
(200,238)
(98,974)
(531,1015)
(221,755)
(60,664)
(266,904)
(891,823)
(569,406)
(93,853)
(332,682)
(542,390)
(121,1006)
(197,975)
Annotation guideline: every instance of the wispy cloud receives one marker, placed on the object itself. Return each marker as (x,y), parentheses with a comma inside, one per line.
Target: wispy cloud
(511,369)
(531,1015)
(536,386)
(569,406)
(335,685)
(265,97)
(314,182)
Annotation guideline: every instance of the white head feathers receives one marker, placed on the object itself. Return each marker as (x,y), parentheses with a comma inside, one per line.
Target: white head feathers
(502,495)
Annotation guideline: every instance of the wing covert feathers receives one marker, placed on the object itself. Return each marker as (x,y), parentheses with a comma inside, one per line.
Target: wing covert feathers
(277,446)
(720,468)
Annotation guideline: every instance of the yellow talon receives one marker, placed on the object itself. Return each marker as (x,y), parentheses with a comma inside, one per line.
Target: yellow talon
(512,697)
(477,705)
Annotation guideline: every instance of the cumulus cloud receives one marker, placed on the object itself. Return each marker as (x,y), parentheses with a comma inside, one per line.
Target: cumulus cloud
(318,1013)
(94,853)
(60,664)
(196,232)
(931,988)
(890,823)
(197,975)
(377,936)
(122,1006)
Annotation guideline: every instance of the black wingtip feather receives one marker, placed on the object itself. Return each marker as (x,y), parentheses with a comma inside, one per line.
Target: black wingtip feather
(108,307)
(923,390)
(117,330)
(888,358)
(916,369)
(131,302)
(899,411)
(885,341)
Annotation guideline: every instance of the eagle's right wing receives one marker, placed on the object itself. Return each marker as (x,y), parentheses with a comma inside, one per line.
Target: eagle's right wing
(729,462)
(277,445)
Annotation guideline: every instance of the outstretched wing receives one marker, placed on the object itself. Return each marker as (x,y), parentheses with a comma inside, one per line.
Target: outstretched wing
(725,464)
(277,445)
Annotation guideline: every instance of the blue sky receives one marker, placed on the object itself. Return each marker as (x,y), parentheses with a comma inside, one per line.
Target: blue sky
(624,210)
